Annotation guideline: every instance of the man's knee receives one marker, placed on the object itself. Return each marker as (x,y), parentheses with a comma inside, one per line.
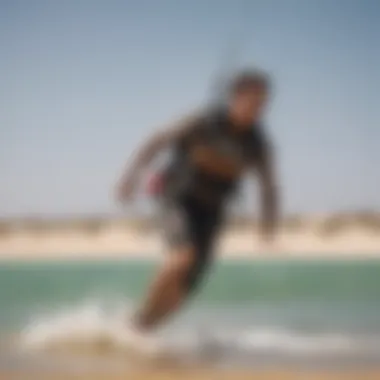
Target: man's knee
(183,261)
(189,265)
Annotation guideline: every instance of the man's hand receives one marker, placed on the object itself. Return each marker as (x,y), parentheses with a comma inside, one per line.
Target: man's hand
(125,191)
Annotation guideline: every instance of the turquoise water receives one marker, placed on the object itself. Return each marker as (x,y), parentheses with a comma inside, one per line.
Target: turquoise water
(269,309)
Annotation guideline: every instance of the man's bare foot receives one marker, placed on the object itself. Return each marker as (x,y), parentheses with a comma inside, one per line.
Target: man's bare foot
(141,342)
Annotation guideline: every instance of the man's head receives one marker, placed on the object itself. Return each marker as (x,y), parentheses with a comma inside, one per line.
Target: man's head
(248,95)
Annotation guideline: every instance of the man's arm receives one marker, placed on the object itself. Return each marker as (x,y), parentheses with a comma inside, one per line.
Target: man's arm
(155,144)
(269,194)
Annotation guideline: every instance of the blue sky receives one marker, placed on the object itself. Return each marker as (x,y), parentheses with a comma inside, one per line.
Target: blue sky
(83,82)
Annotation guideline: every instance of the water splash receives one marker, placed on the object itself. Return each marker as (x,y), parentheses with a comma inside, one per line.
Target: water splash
(93,327)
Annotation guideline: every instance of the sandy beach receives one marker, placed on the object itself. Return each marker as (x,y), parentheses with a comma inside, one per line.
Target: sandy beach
(115,241)
(201,375)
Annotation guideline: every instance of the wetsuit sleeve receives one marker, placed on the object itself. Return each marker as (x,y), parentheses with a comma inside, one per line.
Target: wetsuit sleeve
(268,189)
(179,132)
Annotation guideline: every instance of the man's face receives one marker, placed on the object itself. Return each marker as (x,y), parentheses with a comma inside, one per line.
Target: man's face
(248,105)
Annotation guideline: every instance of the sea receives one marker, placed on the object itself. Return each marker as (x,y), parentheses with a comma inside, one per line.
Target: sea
(251,313)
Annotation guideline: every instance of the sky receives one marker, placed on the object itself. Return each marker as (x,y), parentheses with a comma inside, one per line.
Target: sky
(83,82)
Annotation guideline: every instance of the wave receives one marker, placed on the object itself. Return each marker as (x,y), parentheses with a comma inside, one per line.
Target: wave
(93,327)
(89,323)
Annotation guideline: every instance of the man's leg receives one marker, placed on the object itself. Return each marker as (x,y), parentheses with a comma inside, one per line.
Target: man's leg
(169,289)
(191,232)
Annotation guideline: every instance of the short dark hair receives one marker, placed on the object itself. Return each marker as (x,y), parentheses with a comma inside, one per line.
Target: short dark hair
(248,79)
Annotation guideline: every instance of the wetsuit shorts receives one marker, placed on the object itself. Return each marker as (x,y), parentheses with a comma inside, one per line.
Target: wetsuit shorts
(187,222)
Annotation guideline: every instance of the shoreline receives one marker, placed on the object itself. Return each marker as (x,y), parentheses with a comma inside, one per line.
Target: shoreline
(133,257)
(200,375)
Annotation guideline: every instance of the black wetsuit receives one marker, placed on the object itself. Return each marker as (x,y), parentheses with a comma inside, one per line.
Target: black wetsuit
(204,173)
